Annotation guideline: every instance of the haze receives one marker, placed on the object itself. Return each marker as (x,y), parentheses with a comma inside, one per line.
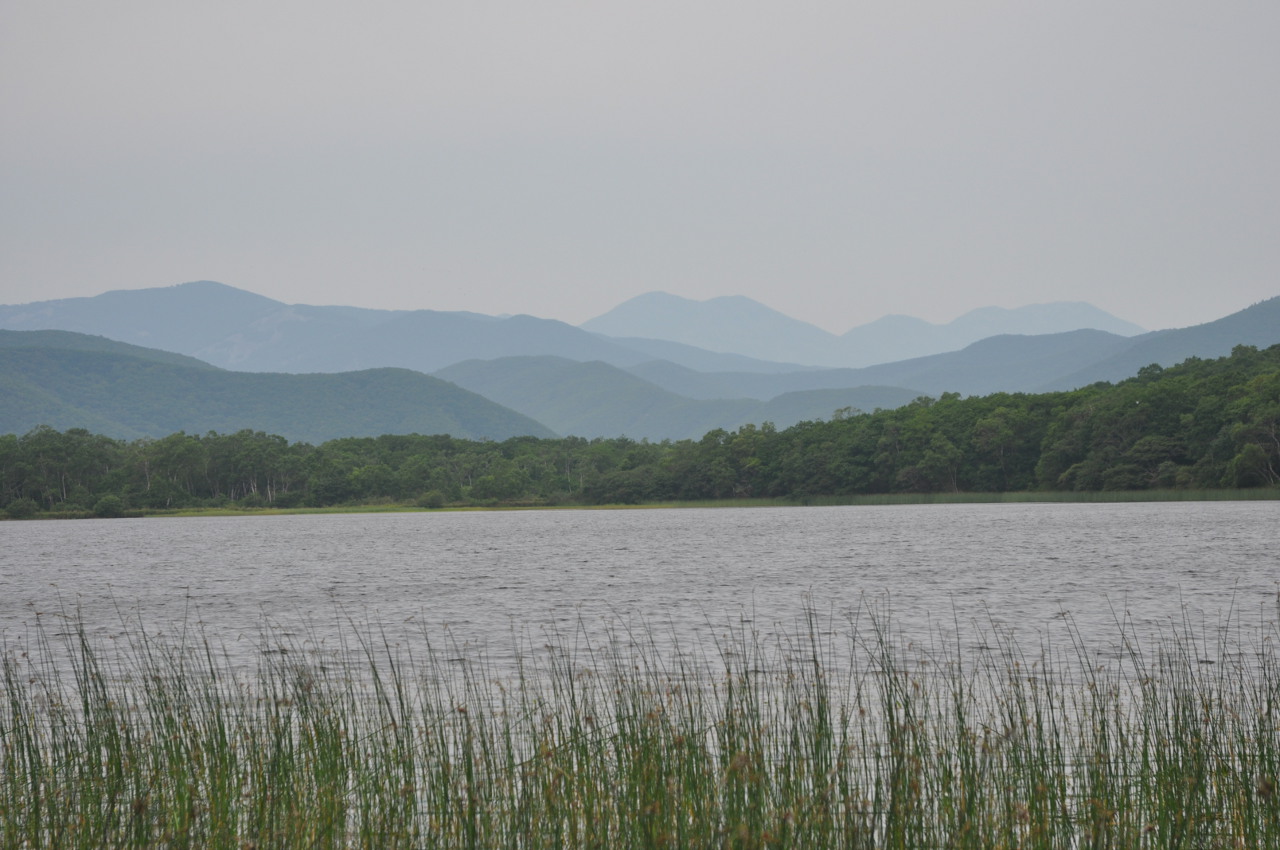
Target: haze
(836,161)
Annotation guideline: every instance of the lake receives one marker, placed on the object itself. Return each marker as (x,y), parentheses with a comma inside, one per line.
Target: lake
(480,577)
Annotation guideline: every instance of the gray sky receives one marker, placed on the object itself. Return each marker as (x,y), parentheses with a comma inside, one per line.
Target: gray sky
(834,160)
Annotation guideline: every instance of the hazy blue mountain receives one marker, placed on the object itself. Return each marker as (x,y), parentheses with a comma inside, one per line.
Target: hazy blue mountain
(129,396)
(427,340)
(732,324)
(893,338)
(591,399)
(757,385)
(232,328)
(287,338)
(1005,363)
(600,400)
(1034,319)
(182,318)
(730,384)
(1256,325)
(742,326)
(238,330)
(1002,363)
(699,359)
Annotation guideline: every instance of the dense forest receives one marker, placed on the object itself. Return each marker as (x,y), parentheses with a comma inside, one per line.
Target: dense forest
(1201,424)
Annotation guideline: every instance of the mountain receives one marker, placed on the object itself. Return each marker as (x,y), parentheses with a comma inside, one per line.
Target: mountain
(701,360)
(91,384)
(183,318)
(1035,319)
(997,364)
(1004,363)
(238,330)
(739,325)
(427,340)
(577,381)
(731,324)
(71,341)
(893,338)
(1257,325)
(599,400)
(755,385)
(591,399)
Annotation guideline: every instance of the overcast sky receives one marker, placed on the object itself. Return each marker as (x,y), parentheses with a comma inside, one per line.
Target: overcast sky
(835,160)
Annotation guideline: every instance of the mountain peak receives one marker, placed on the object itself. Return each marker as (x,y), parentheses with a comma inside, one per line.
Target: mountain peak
(739,325)
(182,317)
(726,323)
(1051,317)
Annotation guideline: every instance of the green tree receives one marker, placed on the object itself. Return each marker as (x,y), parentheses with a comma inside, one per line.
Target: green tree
(23,508)
(109,506)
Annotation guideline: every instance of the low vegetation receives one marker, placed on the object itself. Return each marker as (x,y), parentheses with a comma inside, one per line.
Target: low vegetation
(833,735)
(1202,425)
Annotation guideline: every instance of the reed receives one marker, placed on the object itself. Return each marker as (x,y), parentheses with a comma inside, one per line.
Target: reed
(832,735)
(1074,496)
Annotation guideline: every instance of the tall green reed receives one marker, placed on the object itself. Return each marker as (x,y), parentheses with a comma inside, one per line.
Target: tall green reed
(833,734)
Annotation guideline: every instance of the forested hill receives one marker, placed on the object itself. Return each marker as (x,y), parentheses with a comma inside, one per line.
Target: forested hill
(71,341)
(72,380)
(1202,424)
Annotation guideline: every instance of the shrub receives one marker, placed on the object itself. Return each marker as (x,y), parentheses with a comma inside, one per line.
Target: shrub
(22,508)
(431,499)
(109,506)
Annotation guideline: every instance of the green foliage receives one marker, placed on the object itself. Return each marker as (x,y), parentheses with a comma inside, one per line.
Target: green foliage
(431,499)
(109,506)
(22,508)
(1201,425)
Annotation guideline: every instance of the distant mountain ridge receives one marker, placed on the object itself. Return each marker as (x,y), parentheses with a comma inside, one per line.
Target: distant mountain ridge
(730,324)
(1258,325)
(596,399)
(561,378)
(736,324)
(234,329)
(593,399)
(184,318)
(1007,363)
(67,380)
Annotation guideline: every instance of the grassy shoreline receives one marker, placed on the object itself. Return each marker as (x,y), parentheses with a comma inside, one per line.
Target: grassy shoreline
(810,741)
(1020,497)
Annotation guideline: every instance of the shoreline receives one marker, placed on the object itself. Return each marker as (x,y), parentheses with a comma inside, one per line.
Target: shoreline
(867,500)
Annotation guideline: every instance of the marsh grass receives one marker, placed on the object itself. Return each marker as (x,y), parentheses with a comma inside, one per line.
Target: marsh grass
(1070,496)
(1030,496)
(847,737)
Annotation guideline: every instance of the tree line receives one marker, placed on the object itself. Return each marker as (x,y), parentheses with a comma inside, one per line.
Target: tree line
(1206,423)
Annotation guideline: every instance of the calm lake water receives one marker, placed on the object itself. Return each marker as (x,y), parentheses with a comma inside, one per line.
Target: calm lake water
(480,577)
